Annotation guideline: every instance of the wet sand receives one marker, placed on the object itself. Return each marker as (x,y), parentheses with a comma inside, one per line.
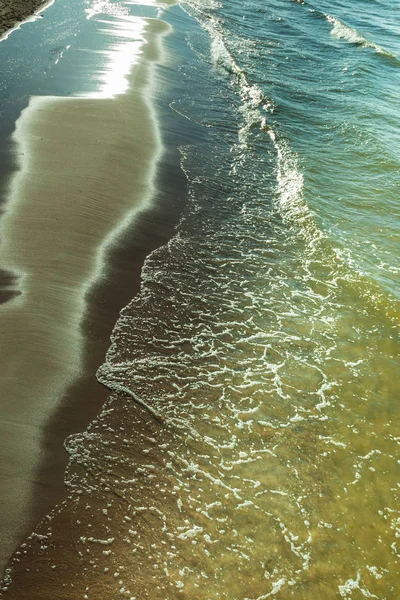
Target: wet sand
(87,165)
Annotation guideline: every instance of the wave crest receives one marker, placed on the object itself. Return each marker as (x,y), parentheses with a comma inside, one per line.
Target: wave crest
(344,32)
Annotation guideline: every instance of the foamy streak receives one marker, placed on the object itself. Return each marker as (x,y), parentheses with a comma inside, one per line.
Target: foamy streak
(87,167)
(344,32)
(105,7)
(254,107)
(290,193)
(255,104)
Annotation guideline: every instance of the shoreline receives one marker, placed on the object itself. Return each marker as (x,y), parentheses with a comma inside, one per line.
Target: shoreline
(15,14)
(61,283)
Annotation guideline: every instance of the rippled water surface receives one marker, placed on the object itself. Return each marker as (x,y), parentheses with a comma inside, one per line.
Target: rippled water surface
(266,332)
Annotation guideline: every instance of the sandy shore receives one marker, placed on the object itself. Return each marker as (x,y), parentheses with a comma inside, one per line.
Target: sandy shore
(87,166)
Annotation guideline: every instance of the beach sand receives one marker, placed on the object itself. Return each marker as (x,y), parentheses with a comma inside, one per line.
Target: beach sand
(87,166)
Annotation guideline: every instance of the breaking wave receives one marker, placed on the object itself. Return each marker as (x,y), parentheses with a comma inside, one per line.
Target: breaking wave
(344,32)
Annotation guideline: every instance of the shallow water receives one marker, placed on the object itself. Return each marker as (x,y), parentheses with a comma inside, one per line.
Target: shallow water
(267,330)
(265,333)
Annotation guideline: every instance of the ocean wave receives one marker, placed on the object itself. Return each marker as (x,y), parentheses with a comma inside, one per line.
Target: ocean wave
(344,32)
(319,247)
(255,104)
(290,201)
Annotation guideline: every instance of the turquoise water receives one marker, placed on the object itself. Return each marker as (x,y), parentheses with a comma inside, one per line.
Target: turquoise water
(325,77)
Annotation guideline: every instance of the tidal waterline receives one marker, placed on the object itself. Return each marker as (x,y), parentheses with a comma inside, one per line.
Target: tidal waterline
(274,365)
(76,187)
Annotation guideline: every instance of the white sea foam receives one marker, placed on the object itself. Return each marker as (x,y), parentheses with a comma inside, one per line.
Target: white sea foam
(346,590)
(344,32)
(255,104)
(290,192)
(105,7)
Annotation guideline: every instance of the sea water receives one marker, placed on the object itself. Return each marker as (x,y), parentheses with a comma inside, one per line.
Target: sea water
(266,331)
